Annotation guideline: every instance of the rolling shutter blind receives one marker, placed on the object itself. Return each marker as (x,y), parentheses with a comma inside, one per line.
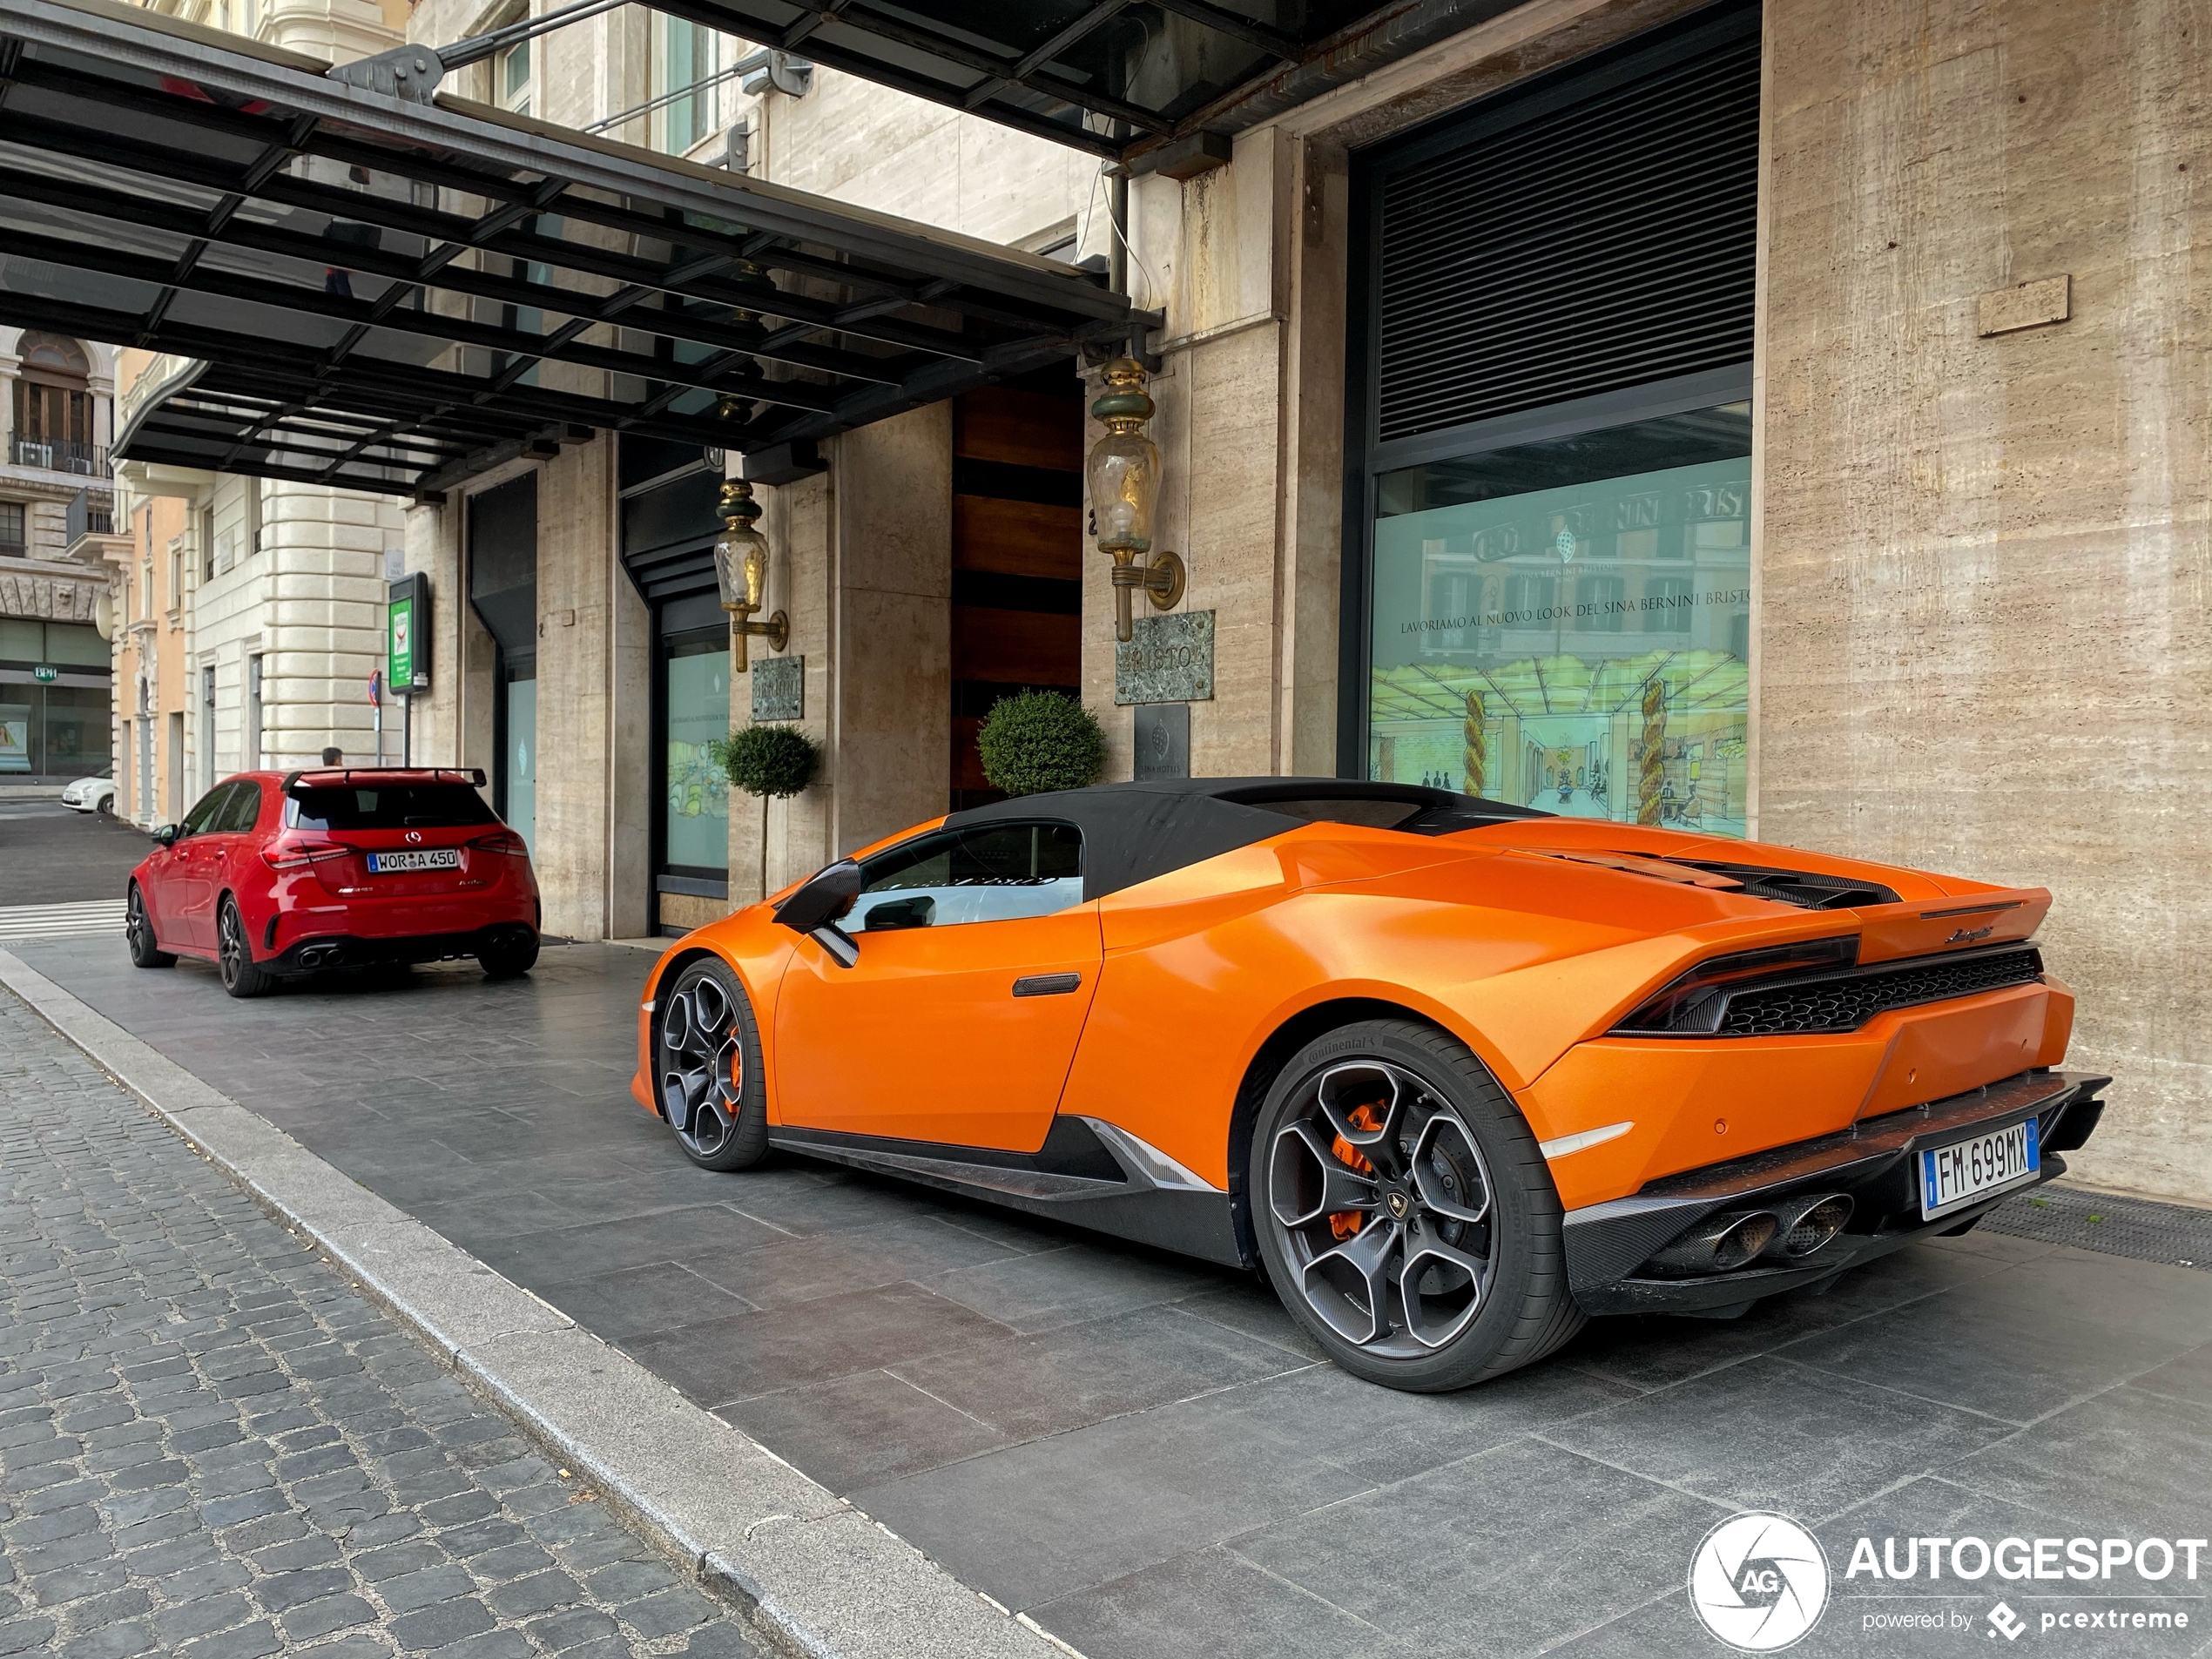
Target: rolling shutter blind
(1601,244)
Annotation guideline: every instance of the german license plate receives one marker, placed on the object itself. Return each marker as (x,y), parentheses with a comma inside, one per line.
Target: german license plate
(1972,1169)
(440,858)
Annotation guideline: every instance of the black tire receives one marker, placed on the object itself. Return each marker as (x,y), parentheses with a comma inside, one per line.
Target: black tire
(138,932)
(706,1067)
(510,955)
(234,954)
(1478,1212)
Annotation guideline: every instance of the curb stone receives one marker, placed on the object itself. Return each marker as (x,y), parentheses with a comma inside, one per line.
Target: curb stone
(817,1576)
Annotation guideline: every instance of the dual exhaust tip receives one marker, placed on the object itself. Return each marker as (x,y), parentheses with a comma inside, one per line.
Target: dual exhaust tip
(321,956)
(1735,1239)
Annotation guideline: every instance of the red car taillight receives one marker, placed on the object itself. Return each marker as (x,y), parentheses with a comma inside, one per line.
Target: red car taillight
(298,855)
(503,840)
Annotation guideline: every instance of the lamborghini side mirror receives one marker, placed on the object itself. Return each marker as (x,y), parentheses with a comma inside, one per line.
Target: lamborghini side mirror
(822,897)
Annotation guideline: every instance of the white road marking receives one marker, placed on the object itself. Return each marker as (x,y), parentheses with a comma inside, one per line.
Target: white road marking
(88,919)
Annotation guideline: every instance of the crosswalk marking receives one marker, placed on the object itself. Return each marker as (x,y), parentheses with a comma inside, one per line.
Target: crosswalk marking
(88,919)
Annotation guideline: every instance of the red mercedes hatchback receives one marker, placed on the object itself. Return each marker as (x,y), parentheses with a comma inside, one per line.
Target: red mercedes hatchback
(279,873)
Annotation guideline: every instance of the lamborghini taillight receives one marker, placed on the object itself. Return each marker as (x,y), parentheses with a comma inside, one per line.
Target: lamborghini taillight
(1694,1002)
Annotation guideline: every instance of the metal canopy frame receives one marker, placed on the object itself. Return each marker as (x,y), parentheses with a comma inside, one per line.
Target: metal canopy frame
(1117,78)
(391,295)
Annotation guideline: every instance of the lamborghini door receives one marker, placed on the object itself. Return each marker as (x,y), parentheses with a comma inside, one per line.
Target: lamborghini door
(973,960)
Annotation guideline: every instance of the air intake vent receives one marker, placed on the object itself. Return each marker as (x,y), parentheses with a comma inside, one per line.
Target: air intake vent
(1847,1002)
(1603,243)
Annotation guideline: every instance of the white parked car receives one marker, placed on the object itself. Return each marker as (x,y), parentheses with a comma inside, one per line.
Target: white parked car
(90,795)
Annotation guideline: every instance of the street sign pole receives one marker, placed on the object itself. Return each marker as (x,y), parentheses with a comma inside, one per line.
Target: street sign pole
(407,642)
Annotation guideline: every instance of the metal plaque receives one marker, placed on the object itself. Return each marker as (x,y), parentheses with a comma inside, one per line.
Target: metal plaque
(780,688)
(1163,741)
(1168,660)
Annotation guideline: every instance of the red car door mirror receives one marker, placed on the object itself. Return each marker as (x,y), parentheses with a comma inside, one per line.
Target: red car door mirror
(166,835)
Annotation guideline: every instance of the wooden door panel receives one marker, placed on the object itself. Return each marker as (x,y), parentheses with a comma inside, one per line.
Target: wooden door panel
(1020,428)
(1017,538)
(1015,647)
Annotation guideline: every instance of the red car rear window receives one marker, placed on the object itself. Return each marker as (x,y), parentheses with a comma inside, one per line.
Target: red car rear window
(391,806)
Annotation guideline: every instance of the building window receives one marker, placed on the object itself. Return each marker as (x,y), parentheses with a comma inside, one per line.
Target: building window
(687,59)
(207,544)
(1519,413)
(695,696)
(58,729)
(512,79)
(176,594)
(54,406)
(12,527)
(1566,691)
(253,735)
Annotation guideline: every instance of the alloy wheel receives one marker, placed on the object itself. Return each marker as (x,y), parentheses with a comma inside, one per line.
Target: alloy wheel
(1381,1203)
(134,925)
(230,944)
(702,1067)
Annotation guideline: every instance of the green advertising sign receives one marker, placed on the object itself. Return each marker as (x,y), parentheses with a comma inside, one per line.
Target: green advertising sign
(45,673)
(406,639)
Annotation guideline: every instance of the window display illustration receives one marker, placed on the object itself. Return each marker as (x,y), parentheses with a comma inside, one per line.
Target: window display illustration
(1565,625)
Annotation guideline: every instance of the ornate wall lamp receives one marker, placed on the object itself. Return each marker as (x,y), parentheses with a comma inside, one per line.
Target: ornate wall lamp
(741,572)
(1124,475)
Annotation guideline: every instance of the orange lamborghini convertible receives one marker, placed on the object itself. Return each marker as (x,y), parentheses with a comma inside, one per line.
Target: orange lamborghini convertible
(1454,1075)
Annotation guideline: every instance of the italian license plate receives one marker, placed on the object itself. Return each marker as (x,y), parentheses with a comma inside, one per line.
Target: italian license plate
(440,858)
(1965,1170)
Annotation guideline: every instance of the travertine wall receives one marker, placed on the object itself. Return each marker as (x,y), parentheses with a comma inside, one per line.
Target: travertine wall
(1985,644)
(800,521)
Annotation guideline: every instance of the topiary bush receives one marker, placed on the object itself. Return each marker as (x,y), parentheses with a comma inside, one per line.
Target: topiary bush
(1037,741)
(772,762)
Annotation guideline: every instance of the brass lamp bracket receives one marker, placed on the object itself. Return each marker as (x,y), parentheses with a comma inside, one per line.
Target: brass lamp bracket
(776,630)
(1161,577)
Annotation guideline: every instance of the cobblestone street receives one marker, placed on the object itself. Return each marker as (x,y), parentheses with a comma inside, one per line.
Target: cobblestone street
(211,1446)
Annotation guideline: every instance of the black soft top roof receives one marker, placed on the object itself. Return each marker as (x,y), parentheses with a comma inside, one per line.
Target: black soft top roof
(1134,832)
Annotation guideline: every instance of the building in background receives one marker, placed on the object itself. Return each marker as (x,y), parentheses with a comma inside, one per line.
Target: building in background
(150,621)
(57,396)
(1780,420)
(278,617)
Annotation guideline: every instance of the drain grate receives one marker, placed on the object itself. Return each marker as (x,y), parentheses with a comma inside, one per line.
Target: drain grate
(2149,1232)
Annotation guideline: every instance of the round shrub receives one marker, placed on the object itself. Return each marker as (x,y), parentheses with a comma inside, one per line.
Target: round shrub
(1038,741)
(768,760)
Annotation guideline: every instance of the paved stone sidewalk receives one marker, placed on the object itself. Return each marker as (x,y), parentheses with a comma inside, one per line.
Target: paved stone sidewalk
(210,1446)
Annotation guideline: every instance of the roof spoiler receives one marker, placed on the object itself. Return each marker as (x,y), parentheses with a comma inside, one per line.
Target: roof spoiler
(325,775)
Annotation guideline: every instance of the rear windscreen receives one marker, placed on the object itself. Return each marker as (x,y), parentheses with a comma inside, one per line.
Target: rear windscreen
(393,806)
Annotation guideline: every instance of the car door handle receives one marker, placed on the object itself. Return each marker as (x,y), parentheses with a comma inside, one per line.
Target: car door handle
(1047,984)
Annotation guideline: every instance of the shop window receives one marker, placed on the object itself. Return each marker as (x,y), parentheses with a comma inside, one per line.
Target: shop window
(1566,691)
(695,701)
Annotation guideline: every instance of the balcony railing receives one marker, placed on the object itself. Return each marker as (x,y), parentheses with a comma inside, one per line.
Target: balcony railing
(87,519)
(56,455)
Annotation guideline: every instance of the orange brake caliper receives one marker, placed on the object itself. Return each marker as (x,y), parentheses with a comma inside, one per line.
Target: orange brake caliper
(1344,1223)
